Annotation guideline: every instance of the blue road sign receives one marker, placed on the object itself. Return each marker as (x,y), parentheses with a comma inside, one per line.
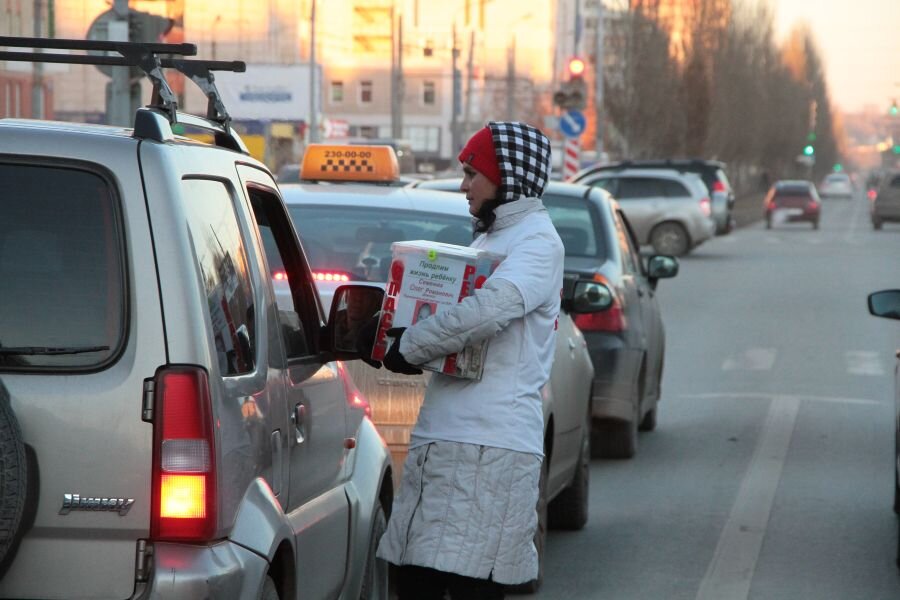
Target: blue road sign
(572,123)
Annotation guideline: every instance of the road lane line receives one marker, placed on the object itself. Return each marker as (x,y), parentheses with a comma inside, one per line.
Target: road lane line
(752,359)
(862,362)
(778,397)
(731,570)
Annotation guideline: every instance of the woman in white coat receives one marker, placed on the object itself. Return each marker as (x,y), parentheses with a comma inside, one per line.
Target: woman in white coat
(465,516)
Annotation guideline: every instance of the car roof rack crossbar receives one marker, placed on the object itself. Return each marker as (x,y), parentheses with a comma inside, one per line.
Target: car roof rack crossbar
(200,72)
(145,56)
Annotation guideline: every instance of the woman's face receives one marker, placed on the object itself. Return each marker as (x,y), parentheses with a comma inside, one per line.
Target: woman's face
(478,188)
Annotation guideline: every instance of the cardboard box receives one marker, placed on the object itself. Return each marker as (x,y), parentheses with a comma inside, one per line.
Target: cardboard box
(427,278)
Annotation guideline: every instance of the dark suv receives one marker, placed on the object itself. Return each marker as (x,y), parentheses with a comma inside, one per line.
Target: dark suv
(712,172)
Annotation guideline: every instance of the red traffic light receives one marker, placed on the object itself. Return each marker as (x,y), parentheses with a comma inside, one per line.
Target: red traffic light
(576,67)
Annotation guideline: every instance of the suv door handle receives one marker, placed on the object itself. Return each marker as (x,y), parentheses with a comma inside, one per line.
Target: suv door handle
(298,417)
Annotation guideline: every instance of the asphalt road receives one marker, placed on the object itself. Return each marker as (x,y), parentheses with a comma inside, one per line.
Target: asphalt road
(770,475)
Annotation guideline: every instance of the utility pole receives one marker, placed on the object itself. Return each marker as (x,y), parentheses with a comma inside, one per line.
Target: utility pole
(599,60)
(37,69)
(511,79)
(470,68)
(313,117)
(397,83)
(457,98)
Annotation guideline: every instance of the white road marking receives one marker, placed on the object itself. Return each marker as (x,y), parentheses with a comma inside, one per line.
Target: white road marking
(752,359)
(734,561)
(777,397)
(863,362)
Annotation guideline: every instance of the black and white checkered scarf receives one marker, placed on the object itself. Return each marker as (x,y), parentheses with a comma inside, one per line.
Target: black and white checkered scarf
(523,154)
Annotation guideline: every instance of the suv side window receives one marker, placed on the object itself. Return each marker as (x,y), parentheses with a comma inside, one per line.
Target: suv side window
(295,293)
(222,262)
(62,275)
(674,189)
(607,183)
(633,188)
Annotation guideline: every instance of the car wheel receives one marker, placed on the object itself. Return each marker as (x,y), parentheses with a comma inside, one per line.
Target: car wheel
(768,221)
(13,482)
(269,591)
(815,224)
(540,535)
(612,438)
(670,238)
(876,224)
(375,579)
(569,510)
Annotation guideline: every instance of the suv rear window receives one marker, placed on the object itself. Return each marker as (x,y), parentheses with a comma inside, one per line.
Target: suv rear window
(62,300)
(576,224)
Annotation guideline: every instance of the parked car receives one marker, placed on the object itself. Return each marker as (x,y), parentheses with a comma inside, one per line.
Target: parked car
(627,340)
(712,172)
(668,210)
(885,205)
(174,432)
(348,230)
(886,303)
(836,185)
(790,201)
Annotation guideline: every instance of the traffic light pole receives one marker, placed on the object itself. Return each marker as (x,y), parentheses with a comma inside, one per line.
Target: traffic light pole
(598,80)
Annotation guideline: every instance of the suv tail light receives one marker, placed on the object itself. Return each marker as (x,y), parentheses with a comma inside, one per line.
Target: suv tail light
(872,194)
(812,205)
(610,320)
(705,208)
(184,474)
(718,186)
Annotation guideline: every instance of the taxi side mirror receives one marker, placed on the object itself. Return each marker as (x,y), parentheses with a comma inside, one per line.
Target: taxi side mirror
(661,266)
(885,303)
(354,311)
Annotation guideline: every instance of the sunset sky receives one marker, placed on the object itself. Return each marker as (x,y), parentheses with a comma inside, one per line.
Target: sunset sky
(860,42)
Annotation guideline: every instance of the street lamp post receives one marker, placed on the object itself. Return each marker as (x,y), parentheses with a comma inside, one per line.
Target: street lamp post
(313,120)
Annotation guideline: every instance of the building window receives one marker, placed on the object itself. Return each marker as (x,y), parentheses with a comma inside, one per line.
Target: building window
(337,92)
(365,92)
(428,93)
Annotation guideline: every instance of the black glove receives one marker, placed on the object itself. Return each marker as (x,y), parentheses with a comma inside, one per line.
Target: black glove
(365,341)
(393,360)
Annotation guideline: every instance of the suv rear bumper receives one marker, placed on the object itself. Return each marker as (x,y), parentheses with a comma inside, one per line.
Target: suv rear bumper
(223,570)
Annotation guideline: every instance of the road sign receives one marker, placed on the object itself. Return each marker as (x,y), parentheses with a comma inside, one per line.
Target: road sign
(572,123)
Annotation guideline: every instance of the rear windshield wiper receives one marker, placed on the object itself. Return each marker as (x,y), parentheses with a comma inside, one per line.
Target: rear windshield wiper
(48,350)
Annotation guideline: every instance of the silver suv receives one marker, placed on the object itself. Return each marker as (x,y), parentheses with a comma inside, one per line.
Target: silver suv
(167,429)
(668,209)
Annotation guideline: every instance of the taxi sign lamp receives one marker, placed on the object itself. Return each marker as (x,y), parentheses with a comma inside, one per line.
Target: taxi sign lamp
(360,164)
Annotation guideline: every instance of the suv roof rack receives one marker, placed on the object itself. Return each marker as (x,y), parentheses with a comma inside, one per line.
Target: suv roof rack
(147,57)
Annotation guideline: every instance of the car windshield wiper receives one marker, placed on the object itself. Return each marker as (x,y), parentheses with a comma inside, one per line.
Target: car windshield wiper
(48,350)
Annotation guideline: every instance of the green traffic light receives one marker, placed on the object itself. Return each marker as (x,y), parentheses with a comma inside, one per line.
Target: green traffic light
(838,167)
(809,150)
(896,148)
(893,110)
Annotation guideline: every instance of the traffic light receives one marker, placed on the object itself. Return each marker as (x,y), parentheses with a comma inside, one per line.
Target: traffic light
(809,150)
(893,110)
(838,167)
(572,94)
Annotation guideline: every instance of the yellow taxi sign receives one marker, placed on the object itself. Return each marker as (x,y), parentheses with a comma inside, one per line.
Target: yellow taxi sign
(326,162)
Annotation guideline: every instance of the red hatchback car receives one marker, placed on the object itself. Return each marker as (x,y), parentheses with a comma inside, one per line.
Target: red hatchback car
(790,201)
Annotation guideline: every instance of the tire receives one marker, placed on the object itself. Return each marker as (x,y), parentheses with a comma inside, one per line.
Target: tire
(815,224)
(375,580)
(876,224)
(612,438)
(269,591)
(569,510)
(768,221)
(648,423)
(13,482)
(540,536)
(670,238)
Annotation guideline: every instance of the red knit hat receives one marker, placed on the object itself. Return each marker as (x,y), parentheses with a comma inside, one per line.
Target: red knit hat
(479,152)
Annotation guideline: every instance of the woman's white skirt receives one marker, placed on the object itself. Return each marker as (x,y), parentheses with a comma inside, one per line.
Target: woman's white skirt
(466,509)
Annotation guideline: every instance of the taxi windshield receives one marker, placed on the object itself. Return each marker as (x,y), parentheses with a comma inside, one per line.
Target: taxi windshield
(356,241)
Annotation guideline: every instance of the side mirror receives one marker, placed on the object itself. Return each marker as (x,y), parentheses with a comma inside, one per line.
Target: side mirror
(590,297)
(353,308)
(661,266)
(885,303)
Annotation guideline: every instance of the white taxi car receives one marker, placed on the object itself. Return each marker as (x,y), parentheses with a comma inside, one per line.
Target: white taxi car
(348,214)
